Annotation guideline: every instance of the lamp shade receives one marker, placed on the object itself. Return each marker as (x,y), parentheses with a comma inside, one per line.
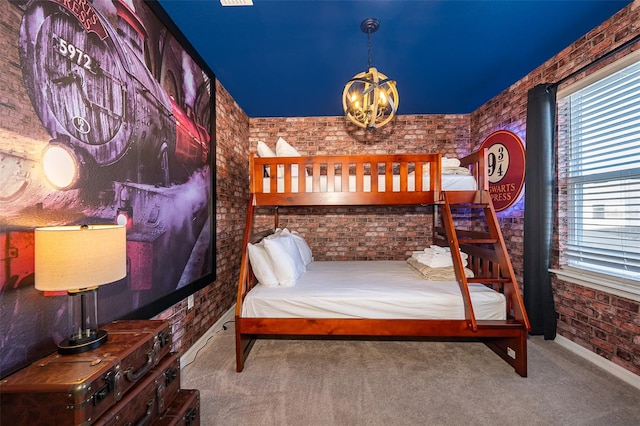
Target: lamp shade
(79,257)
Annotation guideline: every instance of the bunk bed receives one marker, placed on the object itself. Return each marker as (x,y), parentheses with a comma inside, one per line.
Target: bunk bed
(489,306)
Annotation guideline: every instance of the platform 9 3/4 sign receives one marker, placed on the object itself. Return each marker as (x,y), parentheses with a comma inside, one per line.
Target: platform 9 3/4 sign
(505,167)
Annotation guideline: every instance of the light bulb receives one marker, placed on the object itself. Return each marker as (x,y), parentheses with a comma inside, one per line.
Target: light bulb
(383,98)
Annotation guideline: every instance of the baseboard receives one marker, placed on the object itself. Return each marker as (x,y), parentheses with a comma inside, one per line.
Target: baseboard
(190,355)
(610,367)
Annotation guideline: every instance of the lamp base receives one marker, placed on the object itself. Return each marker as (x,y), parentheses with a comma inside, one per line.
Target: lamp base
(76,346)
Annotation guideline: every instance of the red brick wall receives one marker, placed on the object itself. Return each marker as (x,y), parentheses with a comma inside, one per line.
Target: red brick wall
(603,323)
(362,233)
(20,132)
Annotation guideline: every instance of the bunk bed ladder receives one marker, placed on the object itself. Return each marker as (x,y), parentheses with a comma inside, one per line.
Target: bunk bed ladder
(498,272)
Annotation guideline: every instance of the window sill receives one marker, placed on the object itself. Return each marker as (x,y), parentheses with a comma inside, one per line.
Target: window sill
(599,282)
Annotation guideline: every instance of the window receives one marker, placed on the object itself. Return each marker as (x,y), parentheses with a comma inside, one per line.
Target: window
(599,174)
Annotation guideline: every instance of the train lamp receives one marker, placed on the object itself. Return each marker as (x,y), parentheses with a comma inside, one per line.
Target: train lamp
(62,166)
(79,259)
(124,216)
(370,99)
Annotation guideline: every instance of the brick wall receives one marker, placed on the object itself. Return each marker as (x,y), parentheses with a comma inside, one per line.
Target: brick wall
(361,233)
(20,131)
(601,322)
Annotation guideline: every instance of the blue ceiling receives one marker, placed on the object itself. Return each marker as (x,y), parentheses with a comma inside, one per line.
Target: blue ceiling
(287,58)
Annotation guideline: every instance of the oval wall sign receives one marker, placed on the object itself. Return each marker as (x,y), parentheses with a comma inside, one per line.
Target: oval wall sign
(505,167)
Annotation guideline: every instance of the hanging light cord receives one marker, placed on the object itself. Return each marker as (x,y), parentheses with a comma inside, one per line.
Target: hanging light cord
(369,45)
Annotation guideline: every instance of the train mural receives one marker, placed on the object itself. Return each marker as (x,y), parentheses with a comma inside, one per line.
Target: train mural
(124,134)
(98,100)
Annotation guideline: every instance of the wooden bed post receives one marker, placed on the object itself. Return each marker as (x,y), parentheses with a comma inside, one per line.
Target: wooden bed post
(511,349)
(276,218)
(244,344)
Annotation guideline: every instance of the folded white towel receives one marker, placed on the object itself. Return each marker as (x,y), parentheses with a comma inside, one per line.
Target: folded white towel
(437,257)
(439,249)
(456,171)
(435,261)
(436,274)
(450,162)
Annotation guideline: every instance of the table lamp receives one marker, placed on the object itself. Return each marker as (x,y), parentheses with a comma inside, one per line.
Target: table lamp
(79,259)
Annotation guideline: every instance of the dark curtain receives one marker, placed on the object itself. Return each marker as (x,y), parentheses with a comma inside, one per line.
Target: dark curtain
(538,209)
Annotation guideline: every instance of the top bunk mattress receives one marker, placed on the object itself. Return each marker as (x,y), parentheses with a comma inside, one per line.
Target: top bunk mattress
(450,182)
(370,289)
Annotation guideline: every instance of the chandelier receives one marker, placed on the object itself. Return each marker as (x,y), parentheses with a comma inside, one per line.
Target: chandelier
(370,99)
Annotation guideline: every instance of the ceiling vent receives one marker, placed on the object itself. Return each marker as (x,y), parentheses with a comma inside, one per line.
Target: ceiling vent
(236,2)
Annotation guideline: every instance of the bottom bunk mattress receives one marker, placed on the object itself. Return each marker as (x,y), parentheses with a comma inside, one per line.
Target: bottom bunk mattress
(370,289)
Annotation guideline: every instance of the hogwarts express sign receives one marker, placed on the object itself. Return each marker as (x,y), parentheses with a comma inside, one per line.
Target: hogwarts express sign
(505,168)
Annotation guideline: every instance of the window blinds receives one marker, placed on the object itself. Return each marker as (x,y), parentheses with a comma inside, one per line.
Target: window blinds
(599,174)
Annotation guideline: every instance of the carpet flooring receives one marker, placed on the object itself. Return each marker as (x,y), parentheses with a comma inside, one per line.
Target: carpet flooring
(357,382)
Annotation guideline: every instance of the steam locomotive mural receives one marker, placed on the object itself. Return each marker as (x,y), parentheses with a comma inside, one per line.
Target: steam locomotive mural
(90,86)
(110,121)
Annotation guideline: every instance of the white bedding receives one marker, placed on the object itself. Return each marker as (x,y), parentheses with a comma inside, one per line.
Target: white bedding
(452,182)
(370,289)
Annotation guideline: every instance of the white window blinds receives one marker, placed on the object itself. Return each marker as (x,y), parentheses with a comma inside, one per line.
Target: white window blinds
(599,175)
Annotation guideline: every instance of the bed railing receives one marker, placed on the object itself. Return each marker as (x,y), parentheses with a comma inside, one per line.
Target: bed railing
(476,163)
(401,179)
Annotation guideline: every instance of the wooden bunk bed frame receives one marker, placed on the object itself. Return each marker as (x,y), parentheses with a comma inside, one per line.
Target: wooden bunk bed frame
(488,257)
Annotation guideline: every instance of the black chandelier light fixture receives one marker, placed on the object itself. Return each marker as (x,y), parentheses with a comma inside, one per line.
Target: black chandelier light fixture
(370,99)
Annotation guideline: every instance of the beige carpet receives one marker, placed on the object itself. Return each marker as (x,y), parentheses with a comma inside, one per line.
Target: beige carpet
(316,382)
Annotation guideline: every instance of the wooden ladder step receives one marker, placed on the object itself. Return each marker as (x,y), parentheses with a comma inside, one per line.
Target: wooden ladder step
(470,237)
(477,241)
(486,280)
(468,205)
(480,199)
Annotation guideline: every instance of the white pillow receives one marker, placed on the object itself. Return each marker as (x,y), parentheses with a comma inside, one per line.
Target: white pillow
(303,248)
(285,258)
(296,255)
(264,151)
(283,149)
(261,265)
(425,170)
